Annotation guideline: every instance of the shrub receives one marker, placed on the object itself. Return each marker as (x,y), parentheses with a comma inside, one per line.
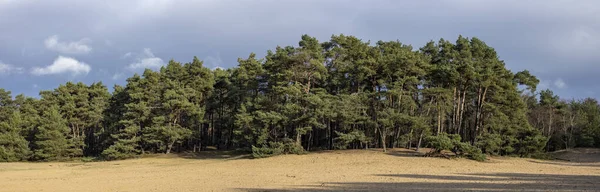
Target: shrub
(533,145)
(345,139)
(452,142)
(479,156)
(470,151)
(440,142)
(293,148)
(490,143)
(88,159)
(404,140)
(272,149)
(118,152)
(287,146)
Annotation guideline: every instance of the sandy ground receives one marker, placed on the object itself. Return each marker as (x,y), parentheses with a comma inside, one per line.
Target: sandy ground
(356,170)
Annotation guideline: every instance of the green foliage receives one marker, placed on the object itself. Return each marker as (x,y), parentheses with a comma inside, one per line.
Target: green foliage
(490,143)
(343,139)
(337,94)
(290,147)
(527,79)
(51,140)
(442,142)
(119,150)
(88,159)
(468,150)
(166,136)
(277,148)
(13,146)
(453,143)
(273,149)
(532,144)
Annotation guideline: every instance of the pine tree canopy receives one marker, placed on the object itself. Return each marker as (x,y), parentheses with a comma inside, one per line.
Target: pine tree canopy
(345,93)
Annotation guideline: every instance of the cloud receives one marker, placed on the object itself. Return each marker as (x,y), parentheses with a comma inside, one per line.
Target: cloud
(108,43)
(543,85)
(7,2)
(146,60)
(559,83)
(7,69)
(549,84)
(127,55)
(63,65)
(578,42)
(550,45)
(75,47)
(214,62)
(152,63)
(4,68)
(117,76)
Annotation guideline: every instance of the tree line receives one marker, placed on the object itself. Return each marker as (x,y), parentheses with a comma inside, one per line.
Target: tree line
(344,93)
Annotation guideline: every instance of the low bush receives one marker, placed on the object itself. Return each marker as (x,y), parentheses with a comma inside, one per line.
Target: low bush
(346,139)
(287,146)
(453,143)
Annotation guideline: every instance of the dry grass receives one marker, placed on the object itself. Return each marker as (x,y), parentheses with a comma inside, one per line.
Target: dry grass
(356,170)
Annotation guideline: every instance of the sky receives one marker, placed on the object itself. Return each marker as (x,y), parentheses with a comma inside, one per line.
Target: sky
(47,43)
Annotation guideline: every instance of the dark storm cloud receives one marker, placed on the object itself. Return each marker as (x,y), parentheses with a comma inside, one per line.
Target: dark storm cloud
(556,40)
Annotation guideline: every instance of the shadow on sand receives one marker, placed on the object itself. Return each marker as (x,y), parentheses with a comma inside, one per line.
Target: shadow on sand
(215,155)
(568,163)
(407,153)
(467,182)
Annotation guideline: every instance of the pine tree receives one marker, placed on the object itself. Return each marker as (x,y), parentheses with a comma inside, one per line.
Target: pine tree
(342,93)
(51,142)
(13,146)
(125,134)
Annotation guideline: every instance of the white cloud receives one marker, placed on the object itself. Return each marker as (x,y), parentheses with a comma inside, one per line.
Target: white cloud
(103,72)
(63,65)
(75,47)
(35,86)
(126,55)
(152,63)
(6,69)
(214,62)
(146,60)
(559,83)
(577,42)
(543,85)
(117,76)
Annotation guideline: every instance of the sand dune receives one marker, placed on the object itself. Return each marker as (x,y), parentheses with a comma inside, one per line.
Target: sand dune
(353,170)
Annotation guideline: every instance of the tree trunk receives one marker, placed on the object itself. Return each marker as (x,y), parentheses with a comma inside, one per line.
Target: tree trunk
(439,119)
(330,134)
(310,139)
(442,119)
(383,141)
(420,139)
(170,146)
(477,113)
(462,110)
(410,139)
(457,113)
(397,137)
(479,117)
(298,138)
(454,107)
(550,122)
(212,129)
